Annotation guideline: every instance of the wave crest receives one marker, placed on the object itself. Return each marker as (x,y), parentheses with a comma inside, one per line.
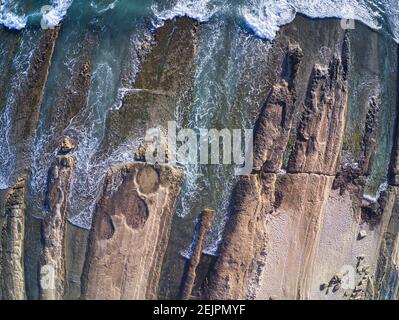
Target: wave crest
(10,19)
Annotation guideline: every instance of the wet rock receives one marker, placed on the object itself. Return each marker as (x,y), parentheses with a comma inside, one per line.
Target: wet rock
(166,74)
(369,142)
(28,99)
(12,279)
(372,213)
(189,277)
(311,167)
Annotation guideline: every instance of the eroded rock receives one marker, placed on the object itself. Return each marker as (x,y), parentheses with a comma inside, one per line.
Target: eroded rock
(12,244)
(205,221)
(130,232)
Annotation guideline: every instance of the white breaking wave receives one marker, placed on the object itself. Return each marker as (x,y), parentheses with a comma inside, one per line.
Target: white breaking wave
(201,10)
(265,17)
(373,199)
(54,16)
(10,19)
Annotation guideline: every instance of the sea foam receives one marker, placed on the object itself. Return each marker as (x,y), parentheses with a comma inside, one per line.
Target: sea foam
(10,19)
(265,17)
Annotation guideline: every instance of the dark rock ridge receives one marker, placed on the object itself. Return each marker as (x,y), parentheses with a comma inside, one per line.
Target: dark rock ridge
(12,244)
(54,226)
(300,193)
(28,101)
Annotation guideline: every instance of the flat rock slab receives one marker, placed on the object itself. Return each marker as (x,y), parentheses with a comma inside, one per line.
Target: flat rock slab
(130,232)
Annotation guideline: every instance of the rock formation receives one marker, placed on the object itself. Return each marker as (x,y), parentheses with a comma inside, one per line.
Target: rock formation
(54,227)
(317,218)
(28,100)
(299,195)
(205,221)
(130,232)
(12,244)
(275,241)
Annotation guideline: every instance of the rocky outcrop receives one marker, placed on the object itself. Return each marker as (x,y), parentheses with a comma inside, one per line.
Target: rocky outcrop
(23,115)
(353,174)
(10,43)
(205,221)
(386,283)
(12,244)
(165,78)
(320,133)
(275,122)
(130,232)
(242,239)
(27,104)
(267,205)
(52,263)
(67,101)
(229,279)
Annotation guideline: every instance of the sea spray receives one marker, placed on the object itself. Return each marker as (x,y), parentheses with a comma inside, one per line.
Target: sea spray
(262,17)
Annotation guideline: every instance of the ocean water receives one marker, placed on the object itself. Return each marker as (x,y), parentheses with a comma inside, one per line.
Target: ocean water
(263,17)
(230,44)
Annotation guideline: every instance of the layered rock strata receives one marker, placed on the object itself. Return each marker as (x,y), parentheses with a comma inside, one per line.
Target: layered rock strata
(298,196)
(130,232)
(165,80)
(52,262)
(12,244)
(205,221)
(27,104)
